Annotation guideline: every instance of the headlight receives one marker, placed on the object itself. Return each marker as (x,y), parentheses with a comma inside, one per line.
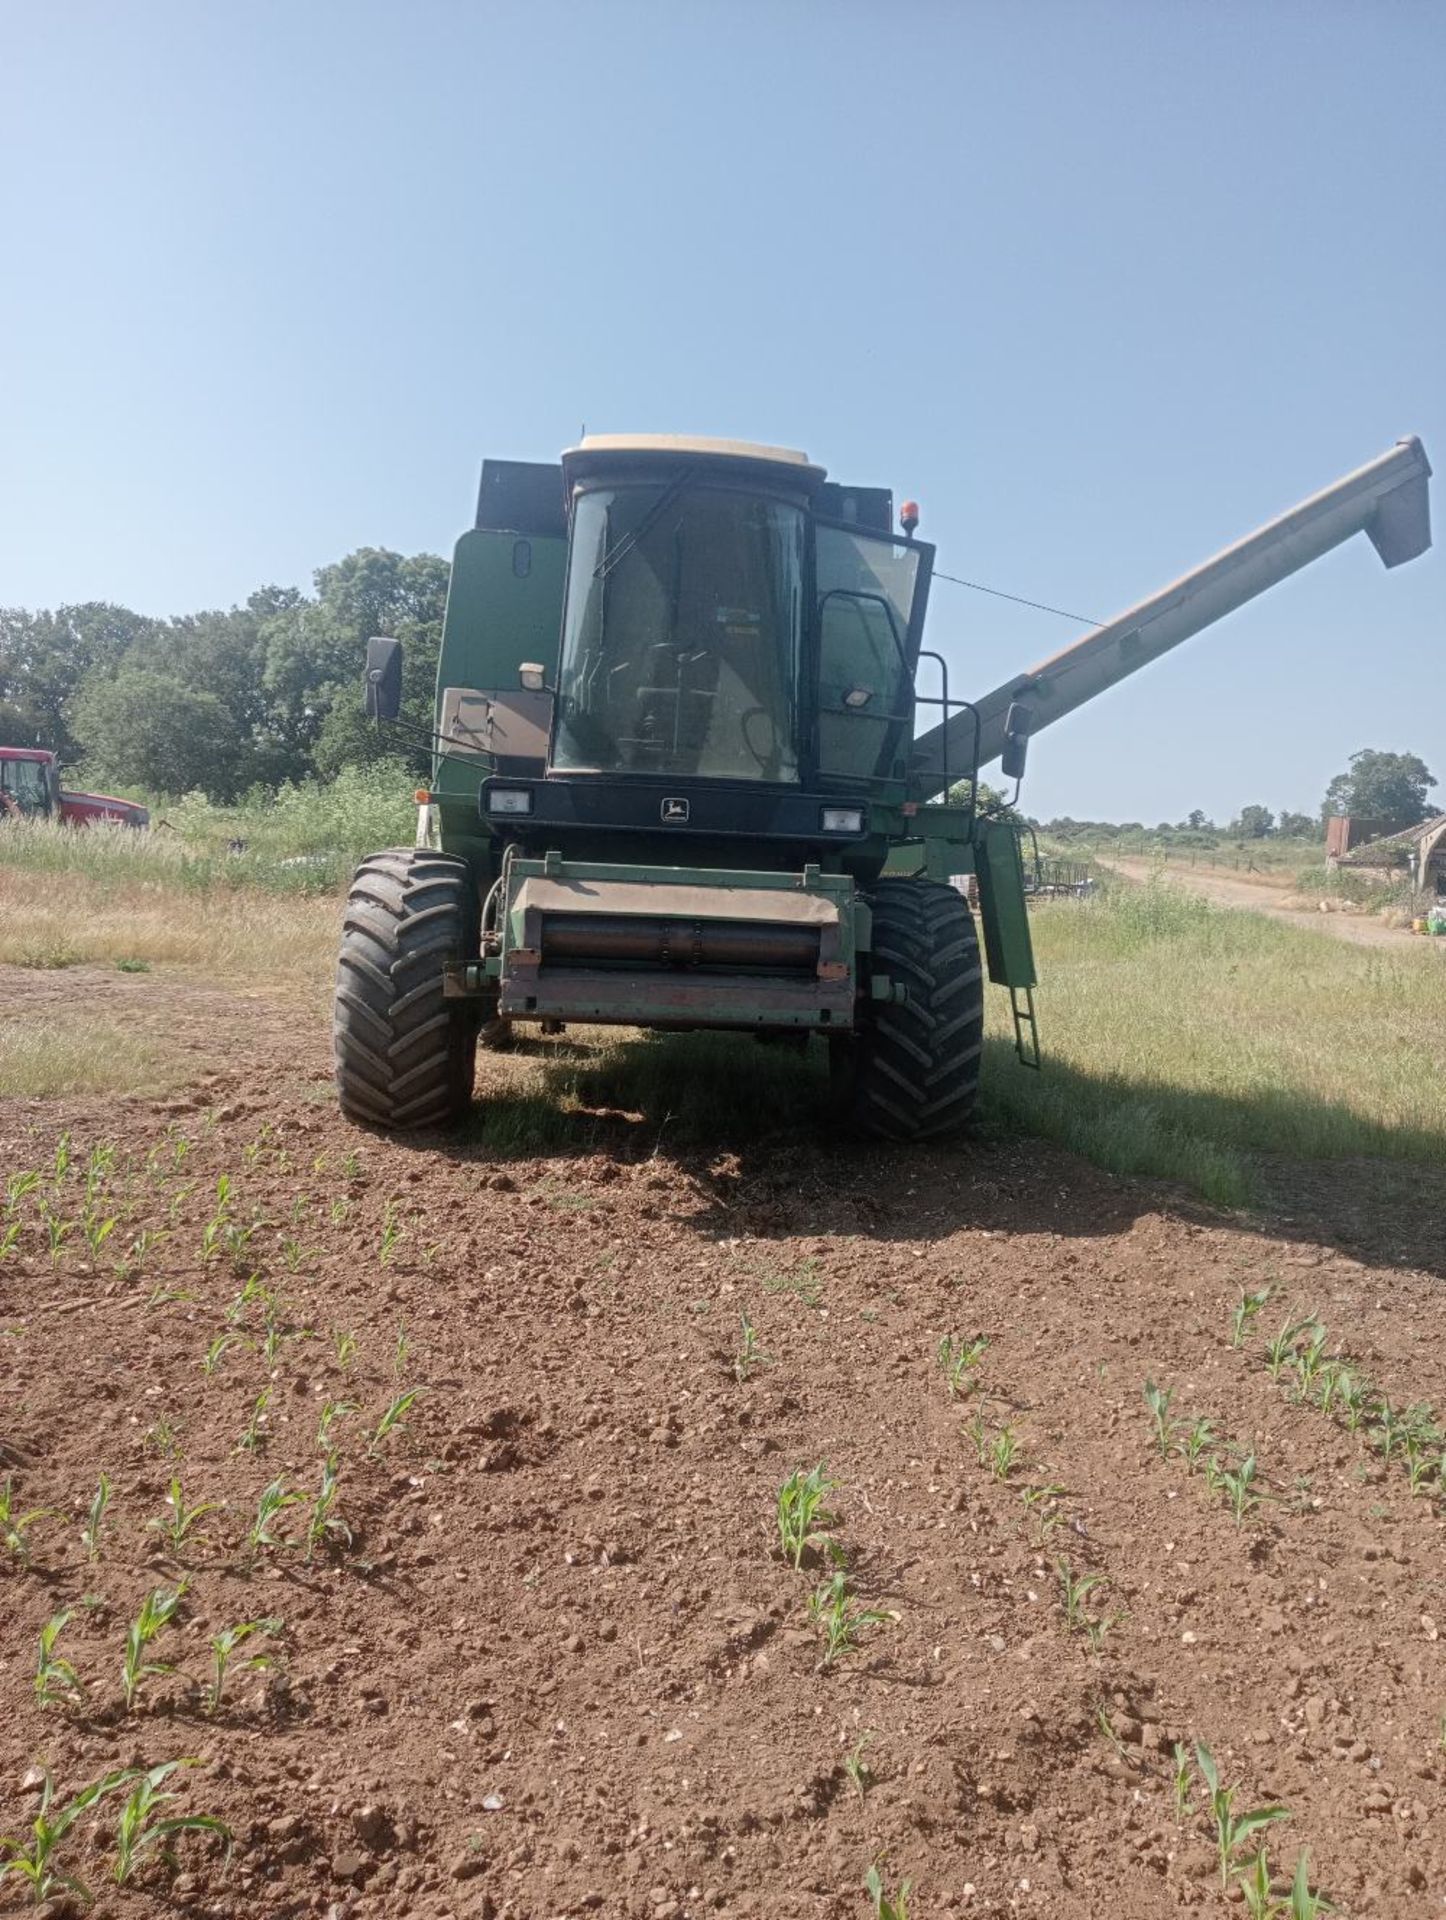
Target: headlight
(843,819)
(509,800)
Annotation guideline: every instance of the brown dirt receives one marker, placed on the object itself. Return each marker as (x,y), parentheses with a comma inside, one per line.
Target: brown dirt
(562,1668)
(1274,895)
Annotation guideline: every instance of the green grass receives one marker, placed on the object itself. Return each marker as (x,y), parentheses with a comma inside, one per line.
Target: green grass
(45,1057)
(1181,1038)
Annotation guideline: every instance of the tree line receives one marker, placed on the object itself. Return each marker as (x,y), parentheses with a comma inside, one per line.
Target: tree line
(222,701)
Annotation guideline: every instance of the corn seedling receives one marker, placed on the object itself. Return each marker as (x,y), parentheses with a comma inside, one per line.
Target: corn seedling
(1309,1359)
(1237,1484)
(1304,1903)
(157,1611)
(395,1415)
(219,1348)
(1389,1429)
(1158,1399)
(1041,1505)
(859,1772)
(56,1680)
(1003,1453)
(57,1232)
(1279,1349)
(958,1358)
(975,1433)
(1194,1439)
(343,1345)
(179,1518)
(100,1500)
(391,1233)
(1421,1463)
(1255,1885)
(887,1906)
(1181,1781)
(223,1652)
(1231,1830)
(1097,1629)
(400,1352)
(254,1437)
(749,1354)
(1247,1309)
(62,1161)
(35,1863)
(254,1292)
(10,1241)
(294,1253)
(322,1523)
(15,1526)
(18,1187)
(840,1618)
(331,1412)
(274,1501)
(97,1231)
(803,1514)
(339,1211)
(1355,1395)
(139,1832)
(1075,1589)
(351,1167)
(162,1435)
(133,1260)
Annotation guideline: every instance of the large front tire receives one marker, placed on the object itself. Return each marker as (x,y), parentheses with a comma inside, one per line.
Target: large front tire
(914,1067)
(405,1053)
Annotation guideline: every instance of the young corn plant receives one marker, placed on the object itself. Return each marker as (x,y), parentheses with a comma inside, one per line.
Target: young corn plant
(274,1501)
(978,1437)
(95,1518)
(859,1772)
(1003,1453)
(803,1513)
(840,1618)
(1237,1483)
(1042,1506)
(1181,1781)
(57,1232)
(1232,1830)
(1194,1440)
(1389,1429)
(749,1354)
(343,1345)
(17,1188)
(179,1519)
(400,1352)
(15,1526)
(392,1231)
(1304,1902)
(395,1415)
(1075,1589)
(158,1609)
(219,1348)
(1158,1400)
(97,1230)
(1308,1359)
(35,1863)
(332,1411)
(323,1523)
(887,1906)
(139,1832)
(1247,1310)
(1257,1887)
(253,1437)
(1355,1396)
(10,1241)
(958,1359)
(56,1681)
(223,1655)
(1279,1349)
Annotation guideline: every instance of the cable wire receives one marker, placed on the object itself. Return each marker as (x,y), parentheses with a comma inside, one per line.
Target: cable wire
(1017,598)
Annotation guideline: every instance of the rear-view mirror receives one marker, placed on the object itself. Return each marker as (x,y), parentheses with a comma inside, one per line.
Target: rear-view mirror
(384,678)
(1016,741)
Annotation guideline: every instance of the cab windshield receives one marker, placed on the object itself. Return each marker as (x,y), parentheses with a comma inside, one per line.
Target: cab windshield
(23,787)
(680,646)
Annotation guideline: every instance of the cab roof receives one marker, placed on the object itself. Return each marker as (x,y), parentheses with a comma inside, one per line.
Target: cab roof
(597,450)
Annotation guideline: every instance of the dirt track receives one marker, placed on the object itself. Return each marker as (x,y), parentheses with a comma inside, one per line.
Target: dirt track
(562,1667)
(1263,893)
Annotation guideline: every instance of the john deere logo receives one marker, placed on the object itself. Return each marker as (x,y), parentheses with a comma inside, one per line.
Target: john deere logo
(674,812)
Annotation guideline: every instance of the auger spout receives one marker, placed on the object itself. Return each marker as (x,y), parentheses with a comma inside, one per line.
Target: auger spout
(1387,499)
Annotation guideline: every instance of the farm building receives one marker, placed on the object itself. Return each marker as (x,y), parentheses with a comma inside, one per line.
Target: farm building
(1419,850)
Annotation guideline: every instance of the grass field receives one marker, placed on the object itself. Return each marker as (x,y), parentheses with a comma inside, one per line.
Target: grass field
(1180,1039)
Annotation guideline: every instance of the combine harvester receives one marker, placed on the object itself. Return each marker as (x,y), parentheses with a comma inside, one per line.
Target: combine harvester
(677,784)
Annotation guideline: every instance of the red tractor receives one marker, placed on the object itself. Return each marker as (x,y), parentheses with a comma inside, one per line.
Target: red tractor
(30,789)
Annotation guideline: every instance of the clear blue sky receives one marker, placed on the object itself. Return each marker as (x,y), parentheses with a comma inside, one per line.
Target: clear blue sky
(1102,285)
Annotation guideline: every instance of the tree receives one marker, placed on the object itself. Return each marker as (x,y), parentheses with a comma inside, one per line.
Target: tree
(44,658)
(142,728)
(1255,823)
(1297,826)
(1198,822)
(1389,787)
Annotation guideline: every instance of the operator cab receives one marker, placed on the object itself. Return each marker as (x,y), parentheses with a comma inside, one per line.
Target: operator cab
(28,787)
(729,616)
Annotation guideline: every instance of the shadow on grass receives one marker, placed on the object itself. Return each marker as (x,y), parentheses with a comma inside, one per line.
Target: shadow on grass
(753,1124)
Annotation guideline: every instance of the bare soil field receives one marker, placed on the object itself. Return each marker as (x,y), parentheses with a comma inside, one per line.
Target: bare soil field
(540,1651)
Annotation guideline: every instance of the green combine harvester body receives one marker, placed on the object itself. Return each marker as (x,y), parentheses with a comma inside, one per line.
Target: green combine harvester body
(677,782)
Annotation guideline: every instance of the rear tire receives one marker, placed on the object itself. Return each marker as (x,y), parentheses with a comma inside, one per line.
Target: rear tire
(405,1054)
(914,1067)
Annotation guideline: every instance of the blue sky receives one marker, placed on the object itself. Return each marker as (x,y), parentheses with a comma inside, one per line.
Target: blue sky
(1103,286)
